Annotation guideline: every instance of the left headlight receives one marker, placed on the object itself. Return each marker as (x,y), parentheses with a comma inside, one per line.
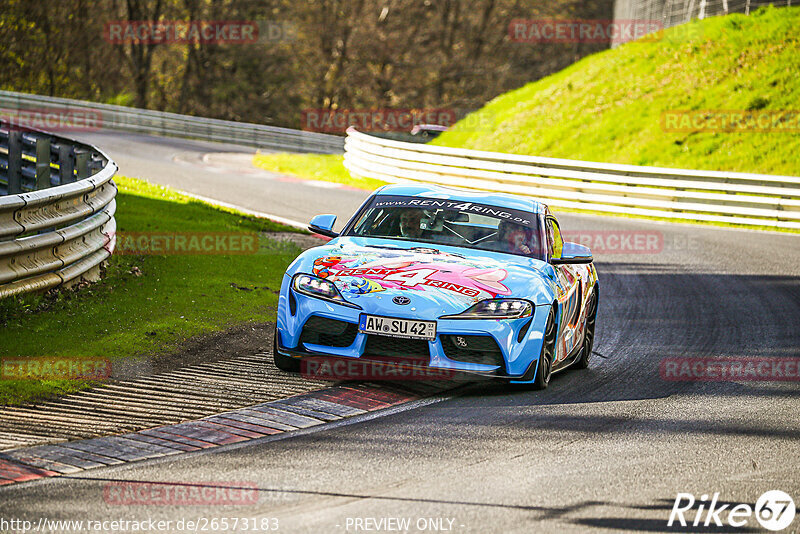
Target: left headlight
(320,288)
(496,309)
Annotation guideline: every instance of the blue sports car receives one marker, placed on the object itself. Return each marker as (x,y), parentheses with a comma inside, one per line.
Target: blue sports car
(442,279)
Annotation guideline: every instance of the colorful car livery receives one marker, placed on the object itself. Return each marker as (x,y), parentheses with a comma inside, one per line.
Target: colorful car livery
(451,280)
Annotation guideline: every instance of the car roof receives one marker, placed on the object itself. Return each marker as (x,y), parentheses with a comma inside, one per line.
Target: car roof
(502,200)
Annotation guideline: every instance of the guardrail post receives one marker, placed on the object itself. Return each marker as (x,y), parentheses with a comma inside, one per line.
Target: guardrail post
(66,164)
(14,162)
(82,164)
(95,164)
(42,163)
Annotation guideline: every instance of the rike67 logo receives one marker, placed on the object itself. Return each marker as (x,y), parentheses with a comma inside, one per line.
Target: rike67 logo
(774,510)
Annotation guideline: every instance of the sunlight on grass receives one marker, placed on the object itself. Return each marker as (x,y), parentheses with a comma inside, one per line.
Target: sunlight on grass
(325,167)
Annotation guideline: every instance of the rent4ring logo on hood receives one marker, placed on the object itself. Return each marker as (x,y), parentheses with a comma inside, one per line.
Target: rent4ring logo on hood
(774,510)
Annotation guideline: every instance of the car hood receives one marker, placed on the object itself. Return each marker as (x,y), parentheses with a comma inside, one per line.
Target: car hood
(371,272)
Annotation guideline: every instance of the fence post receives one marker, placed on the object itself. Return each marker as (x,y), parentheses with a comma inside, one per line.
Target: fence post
(82,164)
(689,11)
(14,161)
(42,163)
(66,164)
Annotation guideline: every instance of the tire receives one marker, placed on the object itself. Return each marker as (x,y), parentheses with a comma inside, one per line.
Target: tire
(544,369)
(588,338)
(284,363)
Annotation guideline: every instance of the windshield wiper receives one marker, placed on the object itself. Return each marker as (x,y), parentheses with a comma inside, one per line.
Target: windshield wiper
(434,251)
(384,246)
(414,249)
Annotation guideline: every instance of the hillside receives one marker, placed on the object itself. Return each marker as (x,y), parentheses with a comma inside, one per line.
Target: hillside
(608,107)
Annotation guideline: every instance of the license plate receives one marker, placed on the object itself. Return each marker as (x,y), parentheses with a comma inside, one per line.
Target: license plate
(403,328)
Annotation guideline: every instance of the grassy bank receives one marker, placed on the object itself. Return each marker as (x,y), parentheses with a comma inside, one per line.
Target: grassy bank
(147,304)
(608,107)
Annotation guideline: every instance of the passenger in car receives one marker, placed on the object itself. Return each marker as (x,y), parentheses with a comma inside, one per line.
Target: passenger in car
(516,239)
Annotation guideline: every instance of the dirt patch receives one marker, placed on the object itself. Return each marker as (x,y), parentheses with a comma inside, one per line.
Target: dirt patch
(304,241)
(239,340)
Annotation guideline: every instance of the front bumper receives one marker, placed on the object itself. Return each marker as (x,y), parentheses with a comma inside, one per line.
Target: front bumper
(519,340)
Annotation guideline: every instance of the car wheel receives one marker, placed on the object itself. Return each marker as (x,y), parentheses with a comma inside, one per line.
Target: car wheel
(588,338)
(544,369)
(284,363)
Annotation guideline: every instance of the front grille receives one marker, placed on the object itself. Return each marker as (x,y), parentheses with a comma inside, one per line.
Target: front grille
(384,346)
(473,349)
(328,332)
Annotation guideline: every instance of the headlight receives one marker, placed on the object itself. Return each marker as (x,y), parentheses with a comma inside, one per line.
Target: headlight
(320,288)
(496,309)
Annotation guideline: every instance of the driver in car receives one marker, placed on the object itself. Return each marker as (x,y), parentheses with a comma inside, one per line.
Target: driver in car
(410,220)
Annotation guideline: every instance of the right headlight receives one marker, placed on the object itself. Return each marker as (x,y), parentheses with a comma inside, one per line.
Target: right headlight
(496,309)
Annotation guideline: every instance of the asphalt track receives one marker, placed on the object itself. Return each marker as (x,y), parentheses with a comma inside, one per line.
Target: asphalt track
(608,448)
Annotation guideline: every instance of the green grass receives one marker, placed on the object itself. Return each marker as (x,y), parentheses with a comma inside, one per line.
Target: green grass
(608,106)
(176,297)
(325,167)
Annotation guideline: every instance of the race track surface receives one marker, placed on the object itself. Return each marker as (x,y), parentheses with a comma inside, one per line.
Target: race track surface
(608,448)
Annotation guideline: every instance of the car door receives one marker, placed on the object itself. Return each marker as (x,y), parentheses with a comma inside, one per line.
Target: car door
(569,292)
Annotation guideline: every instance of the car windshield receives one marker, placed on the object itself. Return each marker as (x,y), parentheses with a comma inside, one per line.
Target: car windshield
(450,222)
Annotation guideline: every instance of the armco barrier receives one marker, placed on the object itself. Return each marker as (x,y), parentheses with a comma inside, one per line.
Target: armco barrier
(727,197)
(56,213)
(144,121)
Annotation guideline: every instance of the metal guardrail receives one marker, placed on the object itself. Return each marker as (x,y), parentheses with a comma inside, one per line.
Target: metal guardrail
(57,210)
(172,124)
(727,197)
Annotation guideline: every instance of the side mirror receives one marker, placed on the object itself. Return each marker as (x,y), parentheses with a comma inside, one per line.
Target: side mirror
(323,225)
(573,253)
